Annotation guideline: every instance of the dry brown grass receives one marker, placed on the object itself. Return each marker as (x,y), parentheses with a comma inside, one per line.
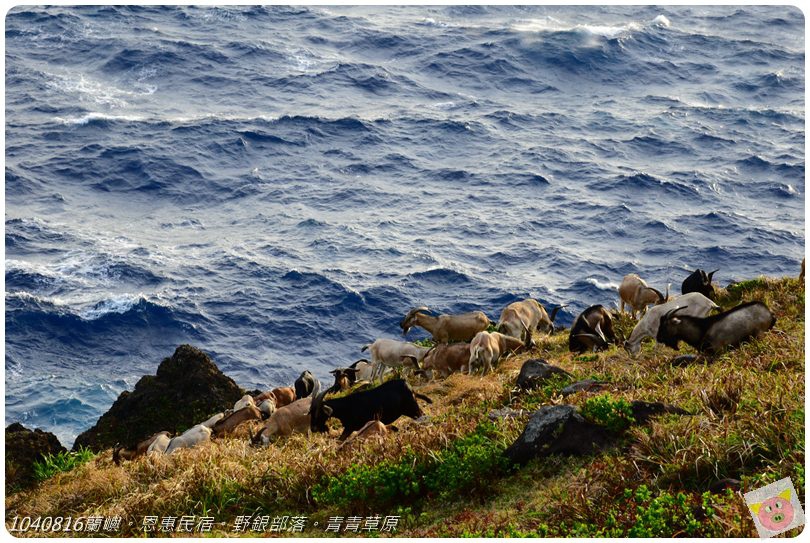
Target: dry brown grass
(748,422)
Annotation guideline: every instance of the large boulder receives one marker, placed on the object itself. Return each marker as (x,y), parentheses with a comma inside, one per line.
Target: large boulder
(557,429)
(23,448)
(534,371)
(187,389)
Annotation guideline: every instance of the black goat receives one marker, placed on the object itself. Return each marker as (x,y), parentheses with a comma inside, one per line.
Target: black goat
(386,403)
(699,281)
(714,333)
(304,385)
(591,331)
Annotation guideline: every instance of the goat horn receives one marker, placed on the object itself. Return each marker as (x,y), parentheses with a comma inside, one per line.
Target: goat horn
(671,312)
(661,298)
(598,330)
(712,273)
(554,311)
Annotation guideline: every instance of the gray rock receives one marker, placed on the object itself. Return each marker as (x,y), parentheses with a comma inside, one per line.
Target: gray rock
(589,385)
(535,371)
(506,413)
(557,429)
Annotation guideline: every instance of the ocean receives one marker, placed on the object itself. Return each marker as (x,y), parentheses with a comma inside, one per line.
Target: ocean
(280,185)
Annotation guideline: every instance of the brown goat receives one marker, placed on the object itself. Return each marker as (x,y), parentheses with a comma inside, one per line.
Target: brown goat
(232,421)
(444,359)
(282,396)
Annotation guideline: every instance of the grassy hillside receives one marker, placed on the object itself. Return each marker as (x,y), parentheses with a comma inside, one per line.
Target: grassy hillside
(447,477)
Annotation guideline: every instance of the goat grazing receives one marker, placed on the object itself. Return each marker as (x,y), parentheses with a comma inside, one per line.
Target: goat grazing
(386,403)
(635,293)
(305,384)
(243,402)
(344,379)
(160,443)
(528,314)
(444,359)
(699,281)
(446,328)
(592,330)
(213,420)
(292,418)
(190,438)
(141,448)
(695,304)
(232,421)
(712,334)
(364,370)
(393,354)
(267,408)
(486,348)
(281,396)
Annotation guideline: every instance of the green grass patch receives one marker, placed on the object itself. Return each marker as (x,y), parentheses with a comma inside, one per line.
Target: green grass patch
(52,464)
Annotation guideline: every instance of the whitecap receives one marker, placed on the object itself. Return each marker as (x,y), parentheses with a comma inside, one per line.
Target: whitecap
(550,24)
(602,286)
(661,21)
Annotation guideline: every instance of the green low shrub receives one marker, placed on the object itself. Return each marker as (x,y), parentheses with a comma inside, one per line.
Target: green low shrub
(614,414)
(461,467)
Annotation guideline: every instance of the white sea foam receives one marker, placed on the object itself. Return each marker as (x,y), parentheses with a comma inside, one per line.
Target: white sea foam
(550,24)
(661,21)
(602,286)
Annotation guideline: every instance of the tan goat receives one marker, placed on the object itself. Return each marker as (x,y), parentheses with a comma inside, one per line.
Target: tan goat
(446,328)
(526,314)
(634,292)
(487,348)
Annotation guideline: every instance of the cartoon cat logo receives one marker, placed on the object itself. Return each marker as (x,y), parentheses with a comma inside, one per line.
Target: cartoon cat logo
(775,513)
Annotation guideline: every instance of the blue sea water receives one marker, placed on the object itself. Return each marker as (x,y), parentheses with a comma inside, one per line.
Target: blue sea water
(278,186)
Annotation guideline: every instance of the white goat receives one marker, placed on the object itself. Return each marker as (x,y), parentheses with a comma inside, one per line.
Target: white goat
(213,420)
(392,354)
(160,443)
(245,401)
(696,305)
(268,407)
(190,438)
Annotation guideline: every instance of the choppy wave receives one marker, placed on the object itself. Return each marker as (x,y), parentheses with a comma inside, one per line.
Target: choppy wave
(278,185)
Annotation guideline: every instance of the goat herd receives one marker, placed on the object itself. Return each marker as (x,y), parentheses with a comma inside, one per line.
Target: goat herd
(462,343)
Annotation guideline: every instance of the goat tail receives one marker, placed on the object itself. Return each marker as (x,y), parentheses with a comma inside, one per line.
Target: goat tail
(422,397)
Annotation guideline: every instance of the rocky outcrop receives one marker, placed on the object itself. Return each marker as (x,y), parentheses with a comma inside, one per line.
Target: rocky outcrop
(23,448)
(560,429)
(534,371)
(557,429)
(187,389)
